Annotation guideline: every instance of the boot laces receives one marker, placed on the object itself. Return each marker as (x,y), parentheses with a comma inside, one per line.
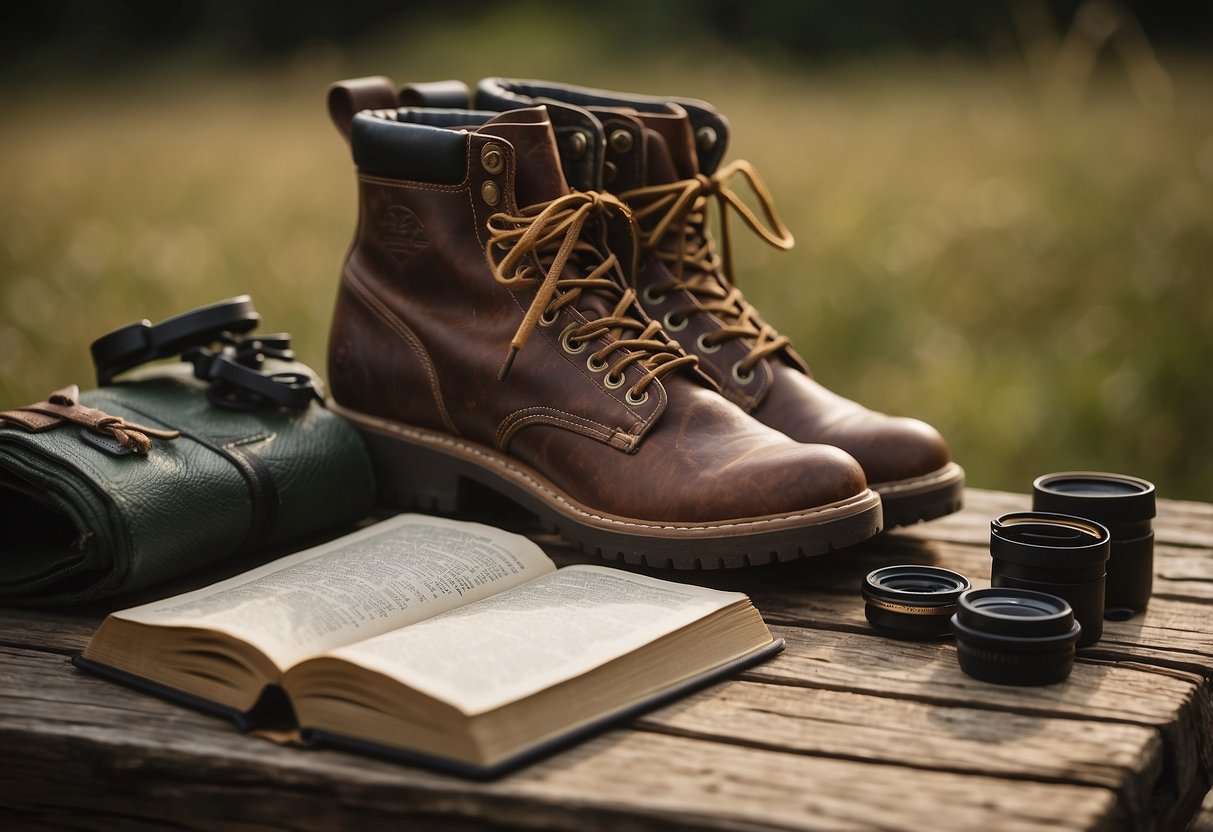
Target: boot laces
(538,243)
(673,220)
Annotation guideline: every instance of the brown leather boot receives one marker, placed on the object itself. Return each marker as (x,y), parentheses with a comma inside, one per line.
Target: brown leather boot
(662,158)
(485,333)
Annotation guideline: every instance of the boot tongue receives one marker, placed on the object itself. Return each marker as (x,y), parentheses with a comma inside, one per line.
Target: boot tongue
(670,147)
(538,177)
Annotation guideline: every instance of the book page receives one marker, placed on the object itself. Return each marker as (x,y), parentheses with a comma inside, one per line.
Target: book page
(512,645)
(385,576)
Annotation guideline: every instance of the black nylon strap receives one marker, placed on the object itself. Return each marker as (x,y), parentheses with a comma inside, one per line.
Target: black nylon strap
(139,343)
(234,369)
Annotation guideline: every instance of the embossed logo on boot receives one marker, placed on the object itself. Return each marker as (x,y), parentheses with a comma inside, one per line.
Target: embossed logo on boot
(401,233)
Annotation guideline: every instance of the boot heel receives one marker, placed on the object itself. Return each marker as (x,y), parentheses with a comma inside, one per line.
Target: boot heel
(411,477)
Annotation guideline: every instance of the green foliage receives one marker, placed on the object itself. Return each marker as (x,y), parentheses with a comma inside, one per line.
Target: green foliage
(1030,272)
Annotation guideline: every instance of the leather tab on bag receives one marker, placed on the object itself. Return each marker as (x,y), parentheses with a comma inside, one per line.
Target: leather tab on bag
(63,406)
(352,96)
(30,420)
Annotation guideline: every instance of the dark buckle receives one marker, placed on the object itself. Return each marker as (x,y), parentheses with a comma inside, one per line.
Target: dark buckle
(236,378)
(138,343)
(233,367)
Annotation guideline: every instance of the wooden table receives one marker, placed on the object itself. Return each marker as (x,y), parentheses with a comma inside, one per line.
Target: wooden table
(844,730)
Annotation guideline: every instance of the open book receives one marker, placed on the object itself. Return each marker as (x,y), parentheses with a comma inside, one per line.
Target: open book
(432,640)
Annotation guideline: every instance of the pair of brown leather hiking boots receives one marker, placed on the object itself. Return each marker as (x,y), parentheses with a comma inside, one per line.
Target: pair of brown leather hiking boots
(533,303)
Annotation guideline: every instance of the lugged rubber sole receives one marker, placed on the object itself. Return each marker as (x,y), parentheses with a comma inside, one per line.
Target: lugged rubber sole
(425,470)
(911,501)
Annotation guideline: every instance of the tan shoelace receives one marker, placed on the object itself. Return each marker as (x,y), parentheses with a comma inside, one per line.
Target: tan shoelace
(542,238)
(678,211)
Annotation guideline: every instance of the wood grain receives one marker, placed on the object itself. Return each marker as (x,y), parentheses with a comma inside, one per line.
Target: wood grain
(845,730)
(198,774)
(138,762)
(899,732)
(1178,523)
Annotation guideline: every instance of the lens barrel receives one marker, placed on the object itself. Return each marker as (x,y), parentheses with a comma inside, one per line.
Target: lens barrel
(1056,554)
(1125,505)
(912,602)
(1015,636)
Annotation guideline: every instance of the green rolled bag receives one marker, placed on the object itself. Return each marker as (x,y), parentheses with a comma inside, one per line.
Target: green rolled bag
(172,468)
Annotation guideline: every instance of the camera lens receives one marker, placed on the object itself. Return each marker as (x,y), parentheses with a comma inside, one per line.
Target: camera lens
(1125,505)
(1015,636)
(912,602)
(1057,554)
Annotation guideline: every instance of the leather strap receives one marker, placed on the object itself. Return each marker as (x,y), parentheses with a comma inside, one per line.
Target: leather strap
(353,95)
(264,496)
(139,343)
(64,406)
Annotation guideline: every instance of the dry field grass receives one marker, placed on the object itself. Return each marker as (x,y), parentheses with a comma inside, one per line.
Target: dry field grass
(1026,264)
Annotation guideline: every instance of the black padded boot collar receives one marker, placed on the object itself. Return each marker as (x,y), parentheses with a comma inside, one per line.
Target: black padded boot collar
(383,146)
(711,128)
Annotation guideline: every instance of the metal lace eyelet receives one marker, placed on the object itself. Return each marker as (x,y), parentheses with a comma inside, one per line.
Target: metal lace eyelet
(621,141)
(669,322)
(548,317)
(579,142)
(492,158)
(566,343)
(613,381)
(636,400)
(490,192)
(741,375)
(595,365)
(651,296)
(704,346)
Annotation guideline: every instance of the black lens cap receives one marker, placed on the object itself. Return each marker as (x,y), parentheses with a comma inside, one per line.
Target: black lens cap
(1110,499)
(911,601)
(1015,636)
(1044,539)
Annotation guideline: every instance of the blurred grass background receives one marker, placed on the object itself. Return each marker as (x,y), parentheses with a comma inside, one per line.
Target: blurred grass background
(1012,240)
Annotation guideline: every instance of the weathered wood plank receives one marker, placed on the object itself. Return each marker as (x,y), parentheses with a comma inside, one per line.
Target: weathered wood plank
(929,672)
(1179,572)
(809,610)
(843,717)
(1178,523)
(632,781)
(135,761)
(1176,634)
(853,726)
(60,632)
(1175,702)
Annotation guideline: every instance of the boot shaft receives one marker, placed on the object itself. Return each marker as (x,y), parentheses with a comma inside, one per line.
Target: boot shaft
(709,130)
(662,157)
(424,325)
